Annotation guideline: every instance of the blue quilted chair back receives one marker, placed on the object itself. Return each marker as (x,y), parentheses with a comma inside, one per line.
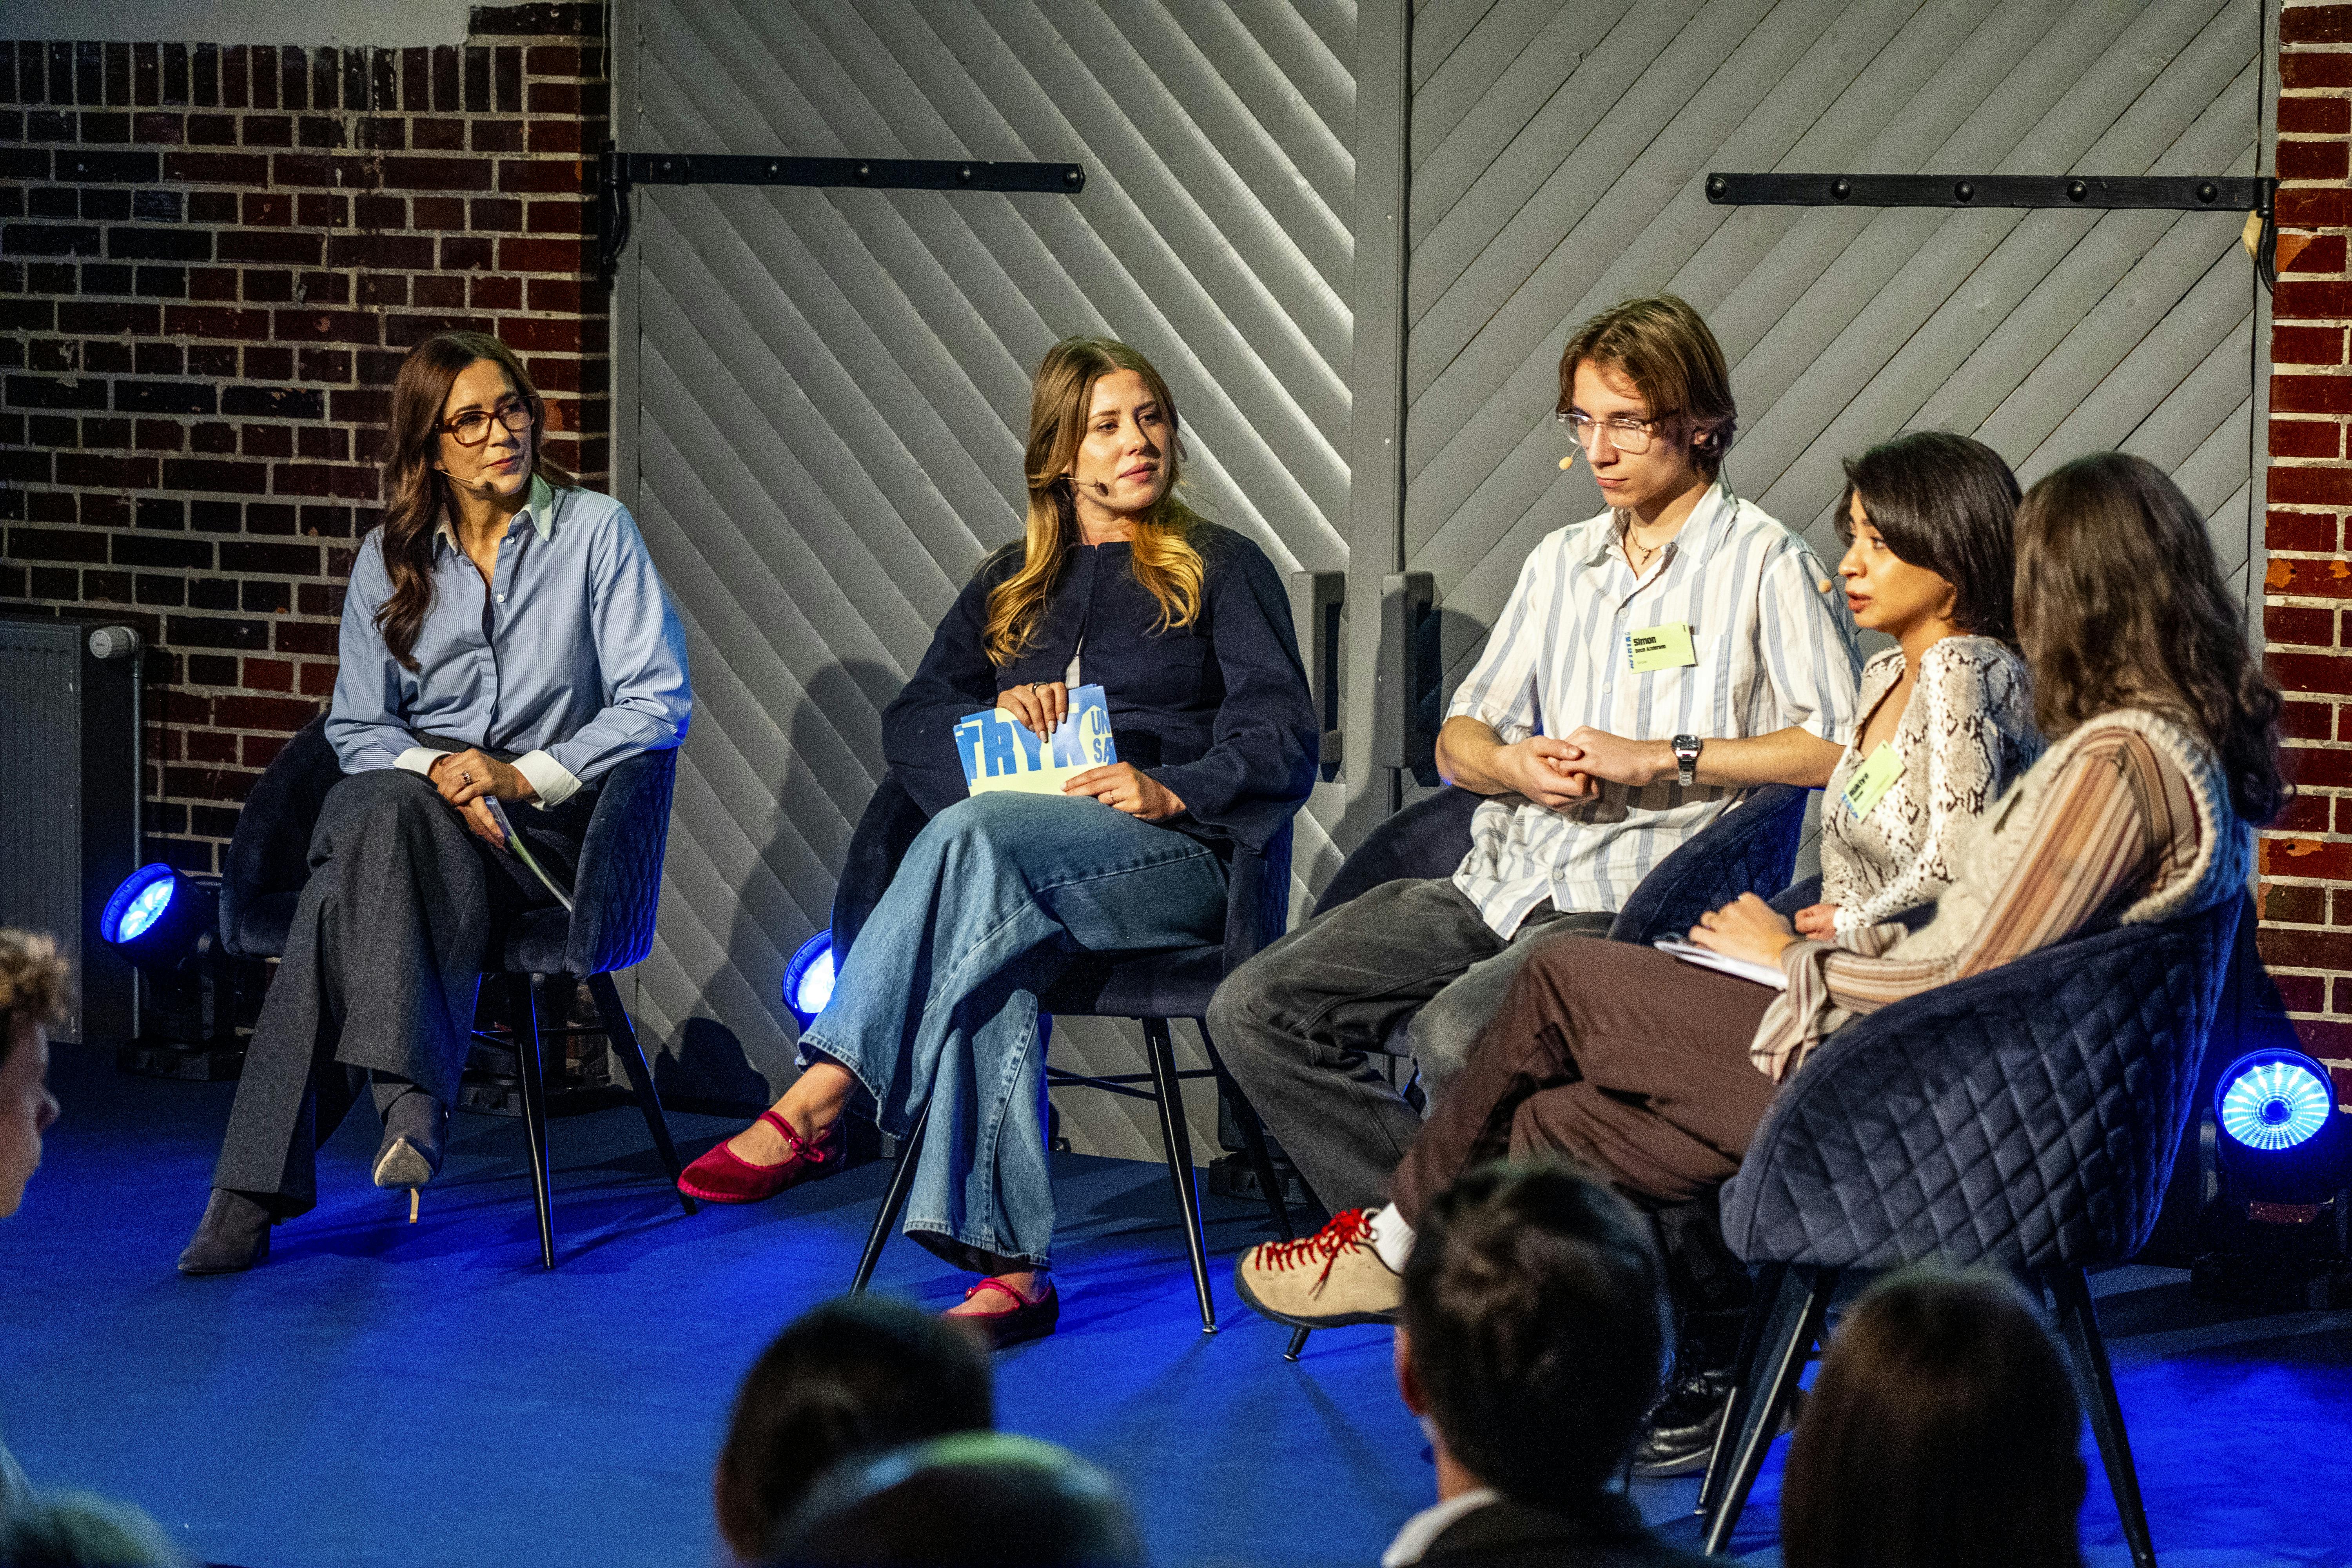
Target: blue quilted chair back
(2025,1118)
(1748,849)
(618,885)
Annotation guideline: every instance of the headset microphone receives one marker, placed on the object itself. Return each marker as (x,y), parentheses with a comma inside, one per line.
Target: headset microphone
(1568,462)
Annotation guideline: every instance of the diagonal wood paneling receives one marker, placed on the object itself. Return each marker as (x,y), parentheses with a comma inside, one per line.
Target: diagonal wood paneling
(832,388)
(1560,148)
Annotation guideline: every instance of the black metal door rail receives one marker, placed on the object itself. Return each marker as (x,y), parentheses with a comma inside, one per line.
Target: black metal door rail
(618,171)
(2181,193)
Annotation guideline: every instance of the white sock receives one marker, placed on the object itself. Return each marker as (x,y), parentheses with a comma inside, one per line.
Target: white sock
(1391,1238)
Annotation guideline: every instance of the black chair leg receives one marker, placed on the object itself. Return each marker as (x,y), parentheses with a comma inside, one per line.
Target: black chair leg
(1177,1140)
(523,1005)
(1751,1336)
(624,1038)
(1253,1132)
(1298,1344)
(2097,1378)
(894,1203)
(1789,1331)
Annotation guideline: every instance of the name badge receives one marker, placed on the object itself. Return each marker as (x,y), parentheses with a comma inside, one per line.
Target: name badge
(1660,647)
(1871,780)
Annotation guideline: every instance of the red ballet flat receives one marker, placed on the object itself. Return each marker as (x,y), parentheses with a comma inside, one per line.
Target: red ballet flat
(722,1176)
(1022,1319)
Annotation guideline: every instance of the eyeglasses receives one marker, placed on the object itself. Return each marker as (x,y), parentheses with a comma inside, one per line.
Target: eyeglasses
(472,428)
(1630,437)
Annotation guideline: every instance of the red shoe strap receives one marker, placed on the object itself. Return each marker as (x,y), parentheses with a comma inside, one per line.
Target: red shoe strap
(812,1153)
(1019,1301)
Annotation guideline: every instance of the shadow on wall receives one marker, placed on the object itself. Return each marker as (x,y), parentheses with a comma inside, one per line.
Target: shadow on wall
(735,1052)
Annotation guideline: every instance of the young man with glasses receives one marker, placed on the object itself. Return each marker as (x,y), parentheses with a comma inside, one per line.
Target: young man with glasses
(1651,664)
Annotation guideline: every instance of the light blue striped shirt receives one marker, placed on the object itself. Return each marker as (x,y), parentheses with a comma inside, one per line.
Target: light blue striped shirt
(1775,649)
(572,654)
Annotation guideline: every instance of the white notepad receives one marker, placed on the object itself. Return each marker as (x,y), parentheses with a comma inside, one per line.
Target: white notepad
(1691,952)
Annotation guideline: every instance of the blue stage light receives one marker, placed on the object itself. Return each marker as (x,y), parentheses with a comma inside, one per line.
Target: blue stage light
(2274,1100)
(145,908)
(808,979)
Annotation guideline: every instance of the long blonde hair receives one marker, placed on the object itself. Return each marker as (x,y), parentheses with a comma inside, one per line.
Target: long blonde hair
(1163,555)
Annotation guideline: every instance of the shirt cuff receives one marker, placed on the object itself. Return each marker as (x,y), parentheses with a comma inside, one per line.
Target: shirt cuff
(554,782)
(419,760)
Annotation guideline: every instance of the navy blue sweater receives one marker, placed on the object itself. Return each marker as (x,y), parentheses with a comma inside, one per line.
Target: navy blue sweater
(1216,712)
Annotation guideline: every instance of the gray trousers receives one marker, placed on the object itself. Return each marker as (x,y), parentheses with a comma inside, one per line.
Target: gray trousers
(381,967)
(1408,968)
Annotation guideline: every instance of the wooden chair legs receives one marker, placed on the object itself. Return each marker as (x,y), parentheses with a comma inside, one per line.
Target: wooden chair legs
(2094,1378)
(523,1000)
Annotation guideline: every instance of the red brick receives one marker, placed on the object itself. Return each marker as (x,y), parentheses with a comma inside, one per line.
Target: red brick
(2312,207)
(2307,721)
(2306,346)
(2325,1038)
(2314,117)
(281,715)
(2294,577)
(558,218)
(543,176)
(2299,625)
(2323,673)
(260,751)
(2292,949)
(216,168)
(2323,255)
(2301,69)
(2298,530)
(203,474)
(267,209)
(464,252)
(2319,767)
(264,246)
(305,325)
(437,135)
(2294,486)
(2306,439)
(2282,903)
(529,334)
(405,252)
(495,293)
(2306,393)
(2306,814)
(553,59)
(210,283)
(558,136)
(299,637)
(2300,159)
(207,783)
(2315,25)
(270,674)
(497,136)
(2302,993)
(436,174)
(200,322)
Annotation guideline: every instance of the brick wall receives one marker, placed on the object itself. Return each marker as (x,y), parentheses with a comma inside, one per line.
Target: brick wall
(2306,895)
(212,259)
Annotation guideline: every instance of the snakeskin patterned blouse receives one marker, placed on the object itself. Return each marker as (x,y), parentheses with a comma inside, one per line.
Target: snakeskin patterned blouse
(1968,731)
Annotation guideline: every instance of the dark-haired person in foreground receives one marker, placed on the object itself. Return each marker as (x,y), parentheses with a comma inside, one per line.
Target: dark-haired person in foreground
(1655,1074)
(983,1499)
(854,1375)
(1531,1341)
(1941,1433)
(505,637)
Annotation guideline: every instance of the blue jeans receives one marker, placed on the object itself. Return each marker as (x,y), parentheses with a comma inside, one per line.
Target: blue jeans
(937,1002)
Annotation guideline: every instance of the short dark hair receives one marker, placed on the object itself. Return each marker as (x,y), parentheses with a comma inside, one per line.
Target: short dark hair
(980,1499)
(1941,1433)
(1534,1318)
(1949,504)
(849,1376)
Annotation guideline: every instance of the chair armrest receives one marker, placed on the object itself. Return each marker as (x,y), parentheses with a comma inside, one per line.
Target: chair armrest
(1257,898)
(1748,849)
(1427,838)
(268,852)
(2026,1117)
(618,886)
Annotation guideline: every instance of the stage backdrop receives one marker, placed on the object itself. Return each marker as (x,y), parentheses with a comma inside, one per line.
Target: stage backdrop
(1354,239)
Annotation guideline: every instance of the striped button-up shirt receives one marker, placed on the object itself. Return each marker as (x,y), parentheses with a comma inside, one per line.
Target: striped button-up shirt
(1774,649)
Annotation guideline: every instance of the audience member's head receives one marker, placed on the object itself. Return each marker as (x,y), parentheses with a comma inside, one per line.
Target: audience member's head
(852,1376)
(979,1499)
(33,982)
(1533,1334)
(1941,1433)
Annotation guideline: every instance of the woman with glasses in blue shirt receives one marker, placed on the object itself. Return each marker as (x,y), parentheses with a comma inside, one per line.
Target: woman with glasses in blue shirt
(505,637)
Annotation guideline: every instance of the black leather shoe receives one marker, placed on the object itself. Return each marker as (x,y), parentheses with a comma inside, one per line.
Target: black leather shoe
(233,1236)
(1681,1434)
(415,1126)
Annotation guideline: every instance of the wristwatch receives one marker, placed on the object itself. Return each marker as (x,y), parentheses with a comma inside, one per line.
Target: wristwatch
(1686,760)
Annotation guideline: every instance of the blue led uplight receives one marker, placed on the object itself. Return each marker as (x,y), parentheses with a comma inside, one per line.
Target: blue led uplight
(137,903)
(808,979)
(2275,1102)
(144,910)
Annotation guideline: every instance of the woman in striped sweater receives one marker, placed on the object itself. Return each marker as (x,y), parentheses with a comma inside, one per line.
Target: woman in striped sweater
(1655,1074)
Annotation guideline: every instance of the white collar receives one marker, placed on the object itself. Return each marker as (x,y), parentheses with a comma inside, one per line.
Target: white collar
(1422,1530)
(538,510)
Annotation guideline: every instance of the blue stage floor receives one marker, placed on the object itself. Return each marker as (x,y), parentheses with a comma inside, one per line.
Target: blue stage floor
(383,1393)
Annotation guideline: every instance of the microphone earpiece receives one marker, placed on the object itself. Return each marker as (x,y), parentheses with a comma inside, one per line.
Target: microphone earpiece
(1568,462)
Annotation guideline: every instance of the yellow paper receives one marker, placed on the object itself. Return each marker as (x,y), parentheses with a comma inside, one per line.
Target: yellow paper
(1869,781)
(1666,646)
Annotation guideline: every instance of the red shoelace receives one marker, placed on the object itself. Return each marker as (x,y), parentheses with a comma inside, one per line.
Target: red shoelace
(1350,1227)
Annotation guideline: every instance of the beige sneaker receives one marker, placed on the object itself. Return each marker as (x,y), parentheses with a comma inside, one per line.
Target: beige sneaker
(1327,1279)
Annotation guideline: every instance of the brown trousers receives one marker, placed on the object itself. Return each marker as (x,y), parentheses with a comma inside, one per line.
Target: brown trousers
(1628,1064)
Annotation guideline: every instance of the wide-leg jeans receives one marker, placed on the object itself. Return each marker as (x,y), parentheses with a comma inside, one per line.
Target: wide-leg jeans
(938,1002)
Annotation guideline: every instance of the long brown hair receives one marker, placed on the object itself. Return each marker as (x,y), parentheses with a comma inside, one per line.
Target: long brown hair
(1940,1433)
(2120,604)
(415,494)
(1162,556)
